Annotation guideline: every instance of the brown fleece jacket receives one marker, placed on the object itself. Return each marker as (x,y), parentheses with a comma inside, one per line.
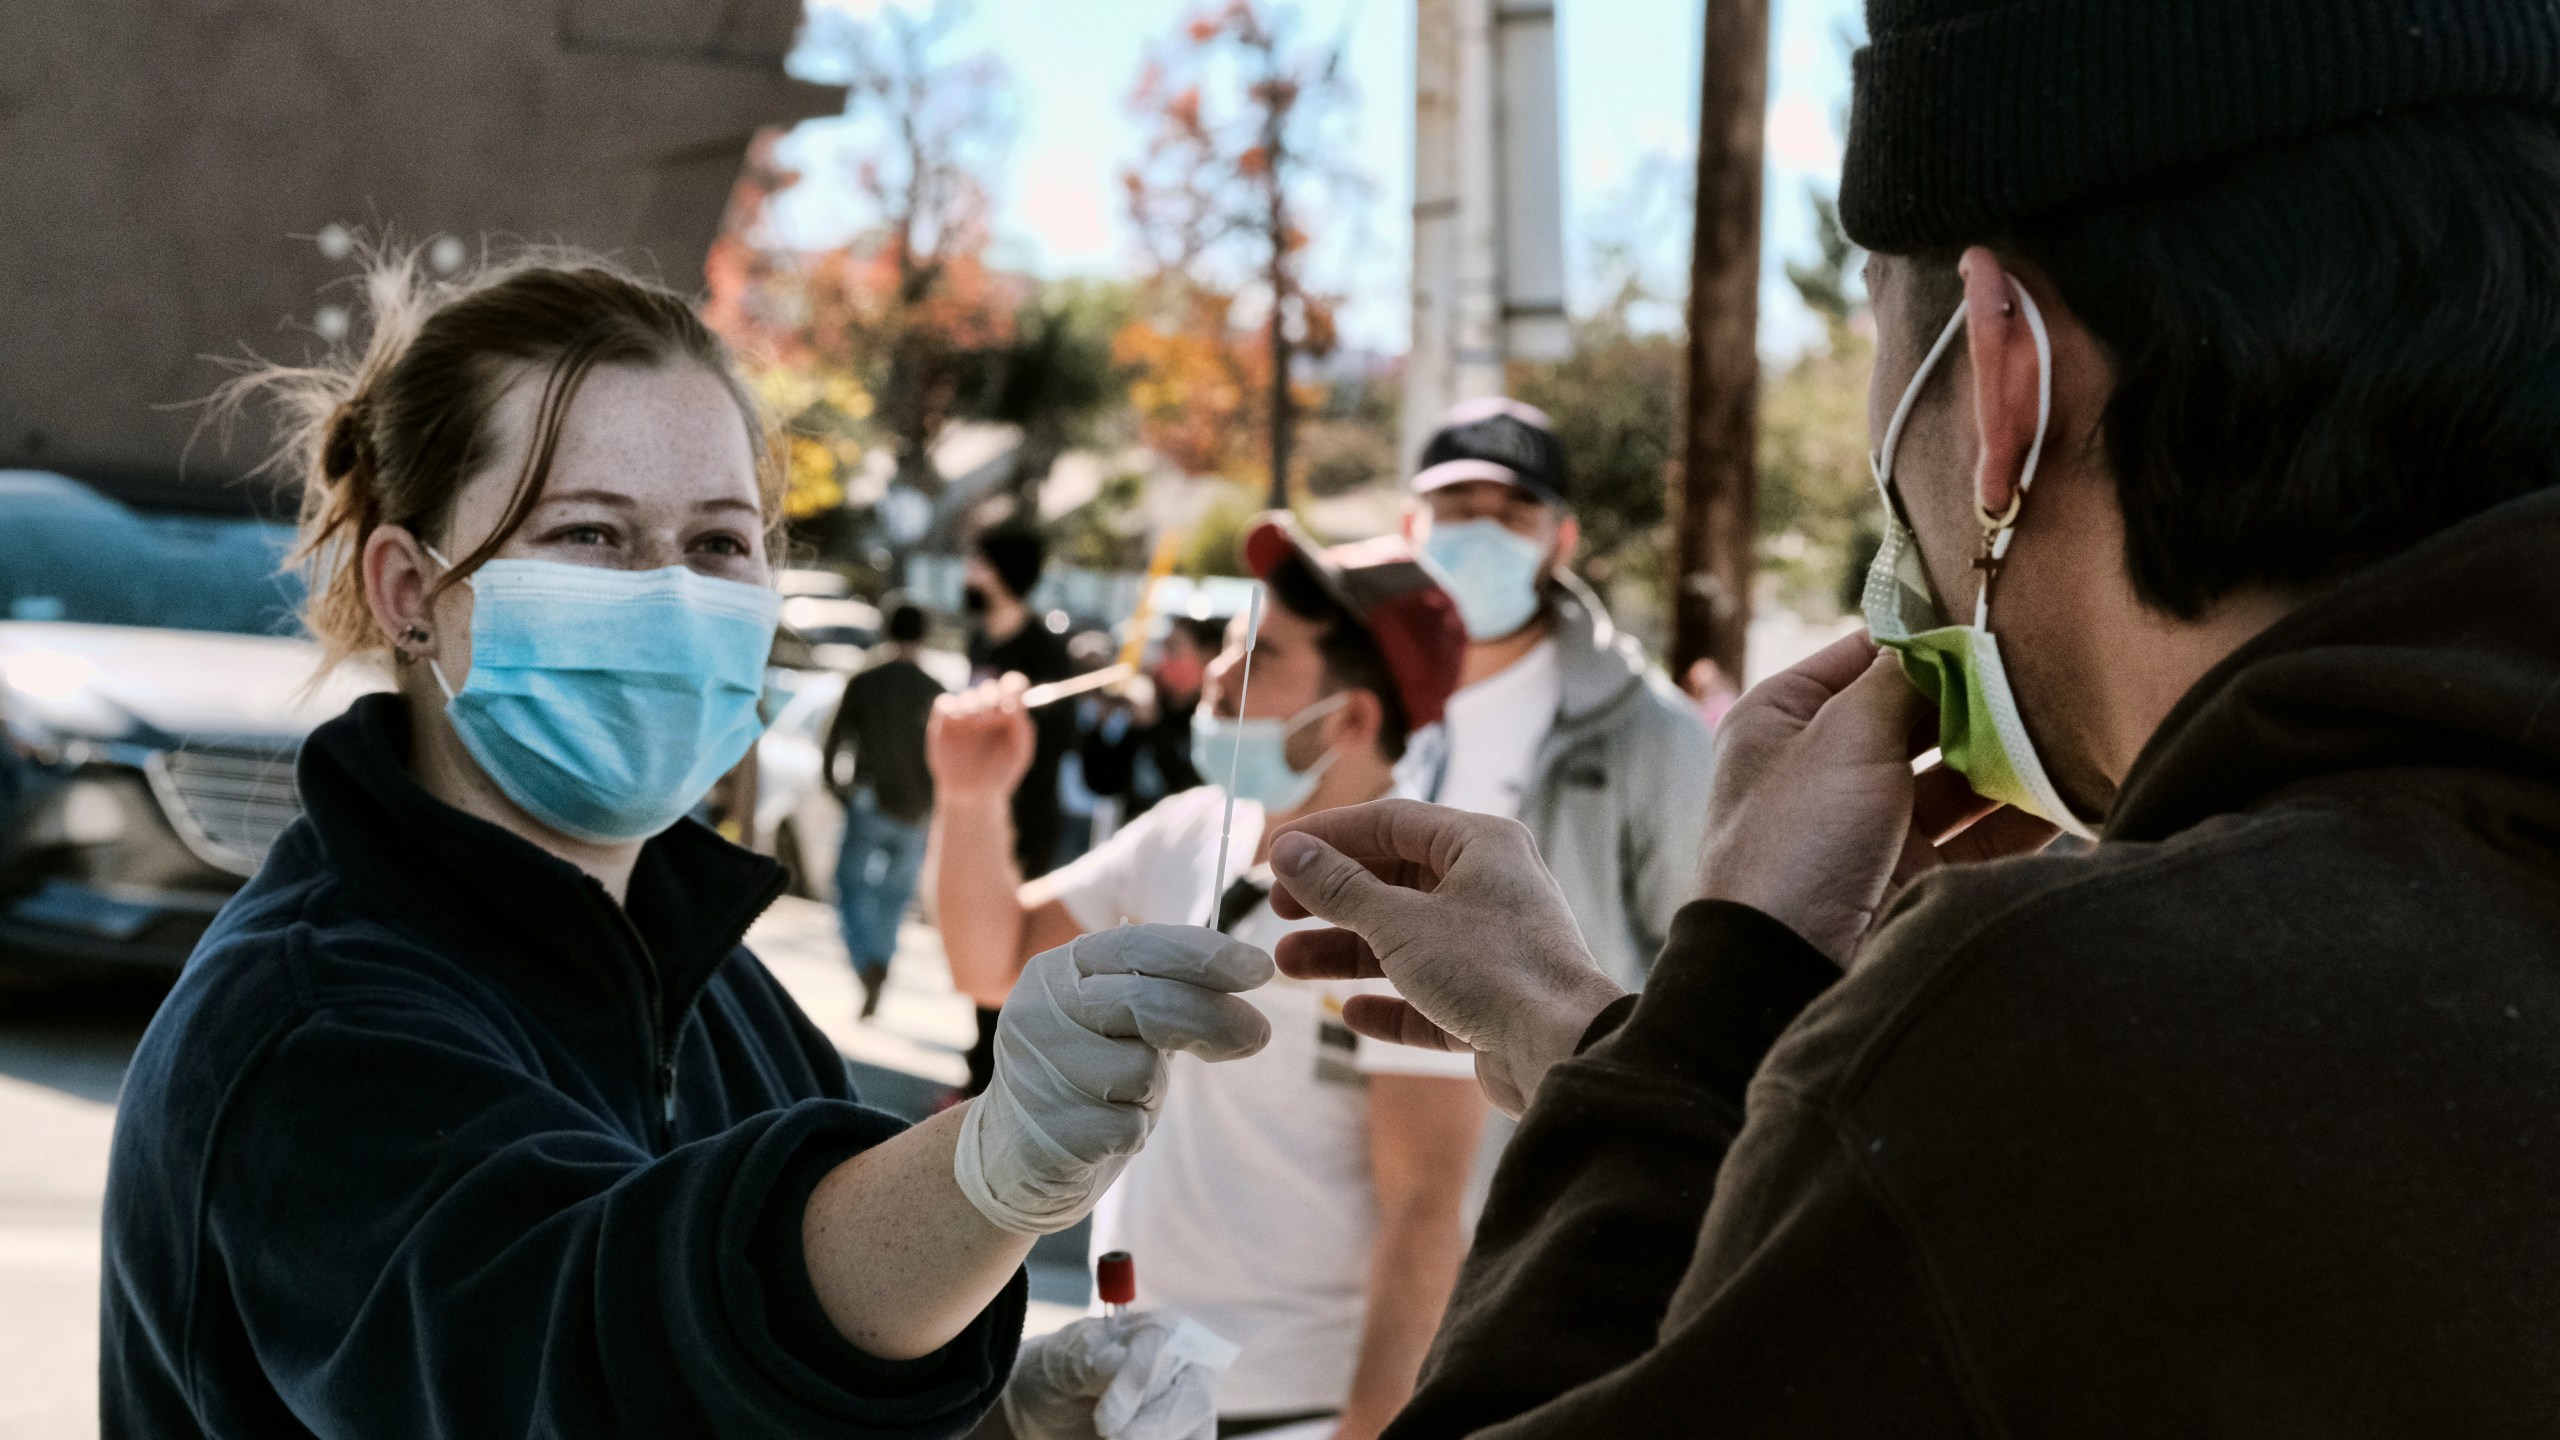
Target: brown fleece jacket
(2245,1123)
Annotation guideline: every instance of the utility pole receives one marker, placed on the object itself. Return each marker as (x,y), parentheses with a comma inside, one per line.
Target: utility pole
(1488,227)
(1283,400)
(1716,501)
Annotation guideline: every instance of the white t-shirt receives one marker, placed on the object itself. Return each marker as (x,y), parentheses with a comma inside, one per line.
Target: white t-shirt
(1251,1210)
(1495,727)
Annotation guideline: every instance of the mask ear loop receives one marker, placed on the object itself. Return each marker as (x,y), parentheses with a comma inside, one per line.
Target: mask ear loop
(1235,757)
(1881,463)
(1999,530)
(1309,716)
(434,668)
(1317,711)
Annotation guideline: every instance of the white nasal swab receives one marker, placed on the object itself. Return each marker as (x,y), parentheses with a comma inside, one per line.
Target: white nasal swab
(1235,756)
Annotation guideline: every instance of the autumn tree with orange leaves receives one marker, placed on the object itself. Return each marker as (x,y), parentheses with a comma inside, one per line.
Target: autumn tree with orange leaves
(894,333)
(915,298)
(881,343)
(1243,144)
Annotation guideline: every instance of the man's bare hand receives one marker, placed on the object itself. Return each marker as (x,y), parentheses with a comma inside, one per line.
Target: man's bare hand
(1815,818)
(1459,912)
(979,743)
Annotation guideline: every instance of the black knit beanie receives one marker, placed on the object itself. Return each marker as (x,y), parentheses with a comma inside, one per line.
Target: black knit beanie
(1972,115)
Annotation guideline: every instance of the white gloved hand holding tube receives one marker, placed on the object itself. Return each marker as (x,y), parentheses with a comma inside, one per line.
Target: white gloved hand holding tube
(1081,1046)
(1145,1376)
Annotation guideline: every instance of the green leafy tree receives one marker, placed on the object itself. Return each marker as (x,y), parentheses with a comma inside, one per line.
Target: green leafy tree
(1615,402)
(1818,506)
(1057,379)
(1108,532)
(1824,281)
(1246,136)
(1349,438)
(1214,545)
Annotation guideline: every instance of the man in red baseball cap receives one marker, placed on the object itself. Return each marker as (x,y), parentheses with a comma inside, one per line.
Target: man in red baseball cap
(1303,1203)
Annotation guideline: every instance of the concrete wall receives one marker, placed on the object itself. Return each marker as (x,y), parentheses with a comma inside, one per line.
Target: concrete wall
(165,165)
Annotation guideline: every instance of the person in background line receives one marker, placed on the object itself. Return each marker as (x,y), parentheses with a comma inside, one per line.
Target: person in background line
(1079,806)
(1714,691)
(2216,412)
(1307,1205)
(1007,638)
(1561,723)
(1141,751)
(888,797)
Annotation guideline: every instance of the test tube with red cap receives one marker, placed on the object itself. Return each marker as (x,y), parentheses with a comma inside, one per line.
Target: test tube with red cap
(1115,1279)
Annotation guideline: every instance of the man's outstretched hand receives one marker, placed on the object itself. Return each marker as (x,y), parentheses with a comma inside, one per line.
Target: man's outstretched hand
(1458,911)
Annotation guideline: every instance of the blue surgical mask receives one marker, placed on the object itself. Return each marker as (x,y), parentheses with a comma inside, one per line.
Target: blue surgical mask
(1493,574)
(1256,754)
(606,703)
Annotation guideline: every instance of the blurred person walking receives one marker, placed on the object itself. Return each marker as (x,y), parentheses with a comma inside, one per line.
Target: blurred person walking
(888,796)
(1305,1206)
(1007,637)
(1560,721)
(471,1115)
(2216,414)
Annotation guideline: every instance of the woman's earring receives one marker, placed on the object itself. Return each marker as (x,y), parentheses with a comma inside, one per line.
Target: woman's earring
(415,635)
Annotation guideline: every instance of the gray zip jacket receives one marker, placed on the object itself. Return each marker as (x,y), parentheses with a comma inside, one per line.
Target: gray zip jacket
(1617,798)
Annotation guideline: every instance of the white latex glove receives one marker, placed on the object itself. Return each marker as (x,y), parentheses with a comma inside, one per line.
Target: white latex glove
(1145,1376)
(1080,1063)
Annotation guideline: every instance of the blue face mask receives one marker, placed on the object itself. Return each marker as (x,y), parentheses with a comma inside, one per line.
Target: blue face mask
(607,702)
(1256,753)
(1491,572)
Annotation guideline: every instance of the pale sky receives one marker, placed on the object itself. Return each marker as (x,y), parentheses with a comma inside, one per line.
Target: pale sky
(1629,73)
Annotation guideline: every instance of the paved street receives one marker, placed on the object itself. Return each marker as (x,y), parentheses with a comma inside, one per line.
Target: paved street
(62,1056)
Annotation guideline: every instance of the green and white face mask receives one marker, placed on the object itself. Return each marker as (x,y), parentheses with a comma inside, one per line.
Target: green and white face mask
(1980,733)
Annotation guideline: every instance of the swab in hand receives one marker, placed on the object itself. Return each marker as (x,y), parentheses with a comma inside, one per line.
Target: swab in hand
(1235,756)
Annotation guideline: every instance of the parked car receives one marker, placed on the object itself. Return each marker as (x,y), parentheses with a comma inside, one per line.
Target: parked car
(798,818)
(153,694)
(154,688)
(838,632)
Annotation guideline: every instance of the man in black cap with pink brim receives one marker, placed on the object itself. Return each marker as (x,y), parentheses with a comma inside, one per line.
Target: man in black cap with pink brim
(1309,1211)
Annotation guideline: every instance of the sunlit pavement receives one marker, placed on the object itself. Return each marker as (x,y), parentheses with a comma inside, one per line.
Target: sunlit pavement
(63,1054)
(58,1075)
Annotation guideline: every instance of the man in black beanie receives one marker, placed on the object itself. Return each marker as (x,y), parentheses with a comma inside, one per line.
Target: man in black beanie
(2217,415)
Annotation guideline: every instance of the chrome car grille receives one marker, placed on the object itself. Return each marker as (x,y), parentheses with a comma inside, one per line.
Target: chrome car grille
(228,804)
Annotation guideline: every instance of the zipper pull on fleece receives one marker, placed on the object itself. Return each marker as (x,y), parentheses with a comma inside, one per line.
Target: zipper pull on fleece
(667,1095)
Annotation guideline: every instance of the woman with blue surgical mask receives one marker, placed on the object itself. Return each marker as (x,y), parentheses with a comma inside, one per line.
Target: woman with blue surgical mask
(472,1114)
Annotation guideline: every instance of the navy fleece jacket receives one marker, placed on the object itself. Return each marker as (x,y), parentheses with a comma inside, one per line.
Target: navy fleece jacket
(433,1138)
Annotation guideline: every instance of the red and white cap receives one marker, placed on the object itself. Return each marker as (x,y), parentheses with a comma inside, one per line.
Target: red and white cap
(1413,621)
